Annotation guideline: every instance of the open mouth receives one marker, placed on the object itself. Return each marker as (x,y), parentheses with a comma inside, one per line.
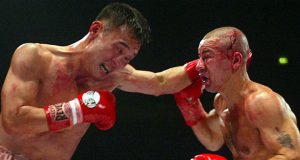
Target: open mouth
(204,80)
(104,68)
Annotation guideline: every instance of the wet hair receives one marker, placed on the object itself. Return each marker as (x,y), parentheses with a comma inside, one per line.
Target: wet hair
(231,40)
(120,14)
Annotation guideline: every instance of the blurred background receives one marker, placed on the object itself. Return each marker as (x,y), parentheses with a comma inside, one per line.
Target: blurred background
(151,127)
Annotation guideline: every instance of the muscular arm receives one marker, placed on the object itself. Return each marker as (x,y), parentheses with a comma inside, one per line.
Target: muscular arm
(208,131)
(166,82)
(212,136)
(278,131)
(19,92)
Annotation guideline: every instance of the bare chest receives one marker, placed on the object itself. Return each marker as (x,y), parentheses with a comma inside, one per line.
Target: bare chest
(240,136)
(56,88)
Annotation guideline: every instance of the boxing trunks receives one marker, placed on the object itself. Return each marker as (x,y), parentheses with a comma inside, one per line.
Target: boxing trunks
(5,154)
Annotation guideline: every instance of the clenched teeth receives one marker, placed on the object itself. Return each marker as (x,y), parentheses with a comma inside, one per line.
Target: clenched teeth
(104,68)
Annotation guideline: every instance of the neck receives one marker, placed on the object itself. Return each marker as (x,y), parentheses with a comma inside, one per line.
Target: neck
(78,49)
(80,44)
(236,87)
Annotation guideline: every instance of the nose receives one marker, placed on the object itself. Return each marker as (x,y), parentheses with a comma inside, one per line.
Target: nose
(200,66)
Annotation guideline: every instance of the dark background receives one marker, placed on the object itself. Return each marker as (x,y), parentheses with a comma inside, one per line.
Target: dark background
(151,127)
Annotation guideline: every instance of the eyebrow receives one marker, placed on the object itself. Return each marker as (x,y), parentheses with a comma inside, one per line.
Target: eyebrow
(205,50)
(126,46)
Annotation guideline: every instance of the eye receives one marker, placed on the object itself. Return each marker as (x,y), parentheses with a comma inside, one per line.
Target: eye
(206,56)
(119,50)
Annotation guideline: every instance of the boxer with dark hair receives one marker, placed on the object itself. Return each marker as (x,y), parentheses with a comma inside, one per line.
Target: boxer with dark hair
(52,93)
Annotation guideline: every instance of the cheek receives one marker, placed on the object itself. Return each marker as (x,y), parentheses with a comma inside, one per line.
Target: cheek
(218,71)
(224,75)
(215,66)
(106,53)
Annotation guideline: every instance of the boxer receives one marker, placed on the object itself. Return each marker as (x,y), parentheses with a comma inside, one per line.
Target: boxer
(250,118)
(52,93)
(254,121)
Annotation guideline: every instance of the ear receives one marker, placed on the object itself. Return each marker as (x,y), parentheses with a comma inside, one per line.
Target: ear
(95,28)
(236,60)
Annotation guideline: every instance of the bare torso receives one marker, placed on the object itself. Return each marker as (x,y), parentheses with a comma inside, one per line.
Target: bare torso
(241,136)
(57,84)
(60,145)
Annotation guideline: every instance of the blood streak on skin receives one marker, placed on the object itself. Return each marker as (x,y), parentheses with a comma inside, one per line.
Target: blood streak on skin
(13,87)
(80,80)
(62,80)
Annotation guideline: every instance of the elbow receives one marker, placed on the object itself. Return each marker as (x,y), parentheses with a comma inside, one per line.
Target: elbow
(214,144)
(212,147)
(158,93)
(160,87)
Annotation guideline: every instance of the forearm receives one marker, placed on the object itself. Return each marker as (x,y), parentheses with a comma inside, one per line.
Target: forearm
(166,82)
(205,126)
(203,133)
(208,131)
(145,82)
(207,136)
(27,119)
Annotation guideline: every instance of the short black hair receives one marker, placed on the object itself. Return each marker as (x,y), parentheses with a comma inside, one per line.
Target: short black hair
(119,14)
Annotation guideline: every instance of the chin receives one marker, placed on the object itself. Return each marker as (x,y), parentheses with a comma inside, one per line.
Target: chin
(210,90)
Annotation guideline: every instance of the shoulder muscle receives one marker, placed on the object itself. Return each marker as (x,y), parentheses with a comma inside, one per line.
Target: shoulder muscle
(25,60)
(264,108)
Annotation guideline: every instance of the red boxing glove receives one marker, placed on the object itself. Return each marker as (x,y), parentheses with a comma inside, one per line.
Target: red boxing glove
(189,104)
(190,69)
(97,107)
(208,157)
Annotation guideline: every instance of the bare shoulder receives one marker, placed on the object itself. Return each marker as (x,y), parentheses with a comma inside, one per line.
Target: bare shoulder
(27,59)
(264,106)
(26,49)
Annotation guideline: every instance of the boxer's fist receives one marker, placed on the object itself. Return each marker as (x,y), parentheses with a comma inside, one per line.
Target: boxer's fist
(189,104)
(190,69)
(91,106)
(208,157)
(190,94)
(98,107)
